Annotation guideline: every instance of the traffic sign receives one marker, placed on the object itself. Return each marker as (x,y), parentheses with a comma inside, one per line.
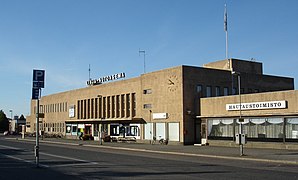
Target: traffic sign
(35,93)
(38,78)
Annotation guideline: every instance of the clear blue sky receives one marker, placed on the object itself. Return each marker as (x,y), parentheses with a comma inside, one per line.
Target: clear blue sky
(65,36)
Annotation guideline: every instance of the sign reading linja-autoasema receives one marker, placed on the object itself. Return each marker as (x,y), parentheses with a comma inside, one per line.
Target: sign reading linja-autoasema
(92,82)
(257,105)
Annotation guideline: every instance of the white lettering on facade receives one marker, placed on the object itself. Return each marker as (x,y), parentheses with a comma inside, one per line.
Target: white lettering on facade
(105,79)
(257,105)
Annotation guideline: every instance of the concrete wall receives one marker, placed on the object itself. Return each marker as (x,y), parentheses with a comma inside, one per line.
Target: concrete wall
(237,65)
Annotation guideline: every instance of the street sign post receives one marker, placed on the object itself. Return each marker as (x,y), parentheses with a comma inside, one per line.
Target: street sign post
(38,83)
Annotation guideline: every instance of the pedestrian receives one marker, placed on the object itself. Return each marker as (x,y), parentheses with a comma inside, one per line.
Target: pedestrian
(81,136)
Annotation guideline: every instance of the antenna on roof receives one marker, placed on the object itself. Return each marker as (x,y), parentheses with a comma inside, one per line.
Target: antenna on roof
(144,52)
(253,59)
(89,72)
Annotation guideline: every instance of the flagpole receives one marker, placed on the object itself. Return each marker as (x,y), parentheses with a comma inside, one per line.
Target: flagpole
(227,45)
(226,29)
(227,56)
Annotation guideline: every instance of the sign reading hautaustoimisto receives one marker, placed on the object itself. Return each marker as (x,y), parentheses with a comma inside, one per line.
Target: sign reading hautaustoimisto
(92,82)
(257,105)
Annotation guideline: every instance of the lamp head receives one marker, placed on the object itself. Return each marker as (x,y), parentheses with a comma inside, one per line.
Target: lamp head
(235,73)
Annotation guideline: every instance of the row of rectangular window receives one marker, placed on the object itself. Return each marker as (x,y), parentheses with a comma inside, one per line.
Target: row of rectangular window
(226,92)
(51,127)
(51,108)
(117,106)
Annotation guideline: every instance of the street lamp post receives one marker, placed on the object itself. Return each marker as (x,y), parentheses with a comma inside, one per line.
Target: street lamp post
(10,113)
(240,113)
(10,124)
(151,136)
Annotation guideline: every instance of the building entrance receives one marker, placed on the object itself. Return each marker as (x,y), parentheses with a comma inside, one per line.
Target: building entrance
(198,131)
(125,130)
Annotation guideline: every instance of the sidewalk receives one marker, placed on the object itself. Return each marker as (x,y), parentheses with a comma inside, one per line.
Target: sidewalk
(250,154)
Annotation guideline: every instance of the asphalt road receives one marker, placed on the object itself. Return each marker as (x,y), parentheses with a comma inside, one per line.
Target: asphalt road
(17,161)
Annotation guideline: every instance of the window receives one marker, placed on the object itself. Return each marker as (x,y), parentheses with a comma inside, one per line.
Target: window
(88,109)
(148,128)
(208,91)
(92,108)
(199,90)
(226,91)
(128,105)
(147,91)
(133,97)
(113,107)
(122,105)
(147,106)
(104,104)
(81,109)
(217,91)
(108,106)
(118,106)
(84,116)
(100,107)
(234,91)
(96,108)
(114,130)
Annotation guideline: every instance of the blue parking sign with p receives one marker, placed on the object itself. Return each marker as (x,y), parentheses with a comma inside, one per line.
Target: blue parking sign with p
(38,78)
(38,83)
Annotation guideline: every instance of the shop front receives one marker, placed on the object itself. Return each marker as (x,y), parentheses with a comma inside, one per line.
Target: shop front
(263,117)
(282,129)
(103,129)
(77,131)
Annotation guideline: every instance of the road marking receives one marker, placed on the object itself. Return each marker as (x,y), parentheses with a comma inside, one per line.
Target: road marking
(79,164)
(24,160)
(69,158)
(10,147)
(84,162)
(17,158)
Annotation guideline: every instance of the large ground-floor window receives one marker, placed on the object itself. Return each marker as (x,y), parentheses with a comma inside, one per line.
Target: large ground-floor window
(125,130)
(255,128)
(292,128)
(170,131)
